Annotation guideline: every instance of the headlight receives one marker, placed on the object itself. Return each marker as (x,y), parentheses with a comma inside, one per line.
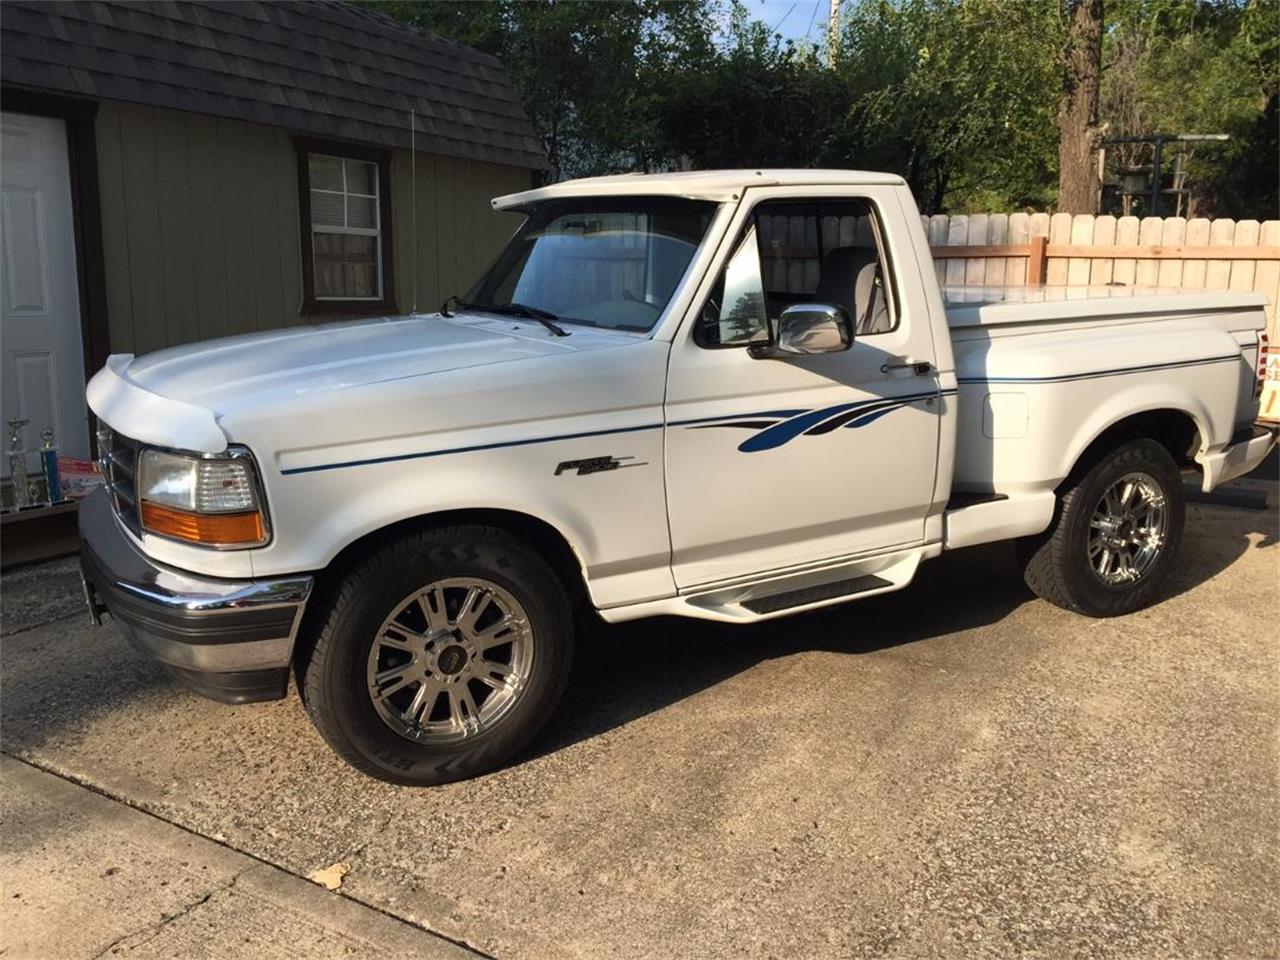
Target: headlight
(208,500)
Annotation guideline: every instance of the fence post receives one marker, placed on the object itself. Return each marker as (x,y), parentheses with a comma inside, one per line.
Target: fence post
(1037,262)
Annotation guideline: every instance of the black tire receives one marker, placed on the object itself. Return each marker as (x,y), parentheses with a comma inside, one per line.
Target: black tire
(1056,563)
(333,674)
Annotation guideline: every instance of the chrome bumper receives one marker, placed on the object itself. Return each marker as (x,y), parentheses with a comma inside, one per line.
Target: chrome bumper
(1238,458)
(231,640)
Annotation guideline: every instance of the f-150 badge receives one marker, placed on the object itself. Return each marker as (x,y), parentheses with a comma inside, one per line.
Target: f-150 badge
(596,465)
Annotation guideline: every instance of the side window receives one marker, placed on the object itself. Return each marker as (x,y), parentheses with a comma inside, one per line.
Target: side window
(734,314)
(808,251)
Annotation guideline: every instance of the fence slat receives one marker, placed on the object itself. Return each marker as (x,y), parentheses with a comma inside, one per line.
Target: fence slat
(957,232)
(1242,270)
(1081,232)
(938,228)
(1125,269)
(1104,235)
(1193,271)
(1266,278)
(1166,253)
(1015,271)
(997,234)
(1148,274)
(975,270)
(1059,232)
(1172,233)
(1218,272)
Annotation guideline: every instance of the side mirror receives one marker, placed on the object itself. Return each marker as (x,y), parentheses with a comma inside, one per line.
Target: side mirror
(807,328)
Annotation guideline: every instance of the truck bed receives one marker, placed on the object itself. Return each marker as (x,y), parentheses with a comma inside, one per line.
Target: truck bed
(989,306)
(1040,371)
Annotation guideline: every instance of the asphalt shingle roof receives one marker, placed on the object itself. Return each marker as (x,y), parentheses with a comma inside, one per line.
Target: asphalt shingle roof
(321,68)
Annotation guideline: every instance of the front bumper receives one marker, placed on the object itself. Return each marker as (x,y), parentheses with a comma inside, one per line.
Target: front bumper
(230,640)
(1240,456)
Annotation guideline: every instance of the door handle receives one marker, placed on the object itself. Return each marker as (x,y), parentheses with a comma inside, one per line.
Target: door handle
(919,367)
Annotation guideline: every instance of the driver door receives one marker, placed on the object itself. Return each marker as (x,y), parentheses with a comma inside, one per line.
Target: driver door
(774,464)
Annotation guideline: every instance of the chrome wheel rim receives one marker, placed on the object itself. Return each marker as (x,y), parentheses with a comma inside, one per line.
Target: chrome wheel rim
(450,661)
(1128,530)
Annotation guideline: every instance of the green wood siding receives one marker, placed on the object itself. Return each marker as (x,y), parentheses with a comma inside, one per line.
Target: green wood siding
(201,231)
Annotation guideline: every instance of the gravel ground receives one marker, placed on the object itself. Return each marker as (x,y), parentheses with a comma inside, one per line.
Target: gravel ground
(957,769)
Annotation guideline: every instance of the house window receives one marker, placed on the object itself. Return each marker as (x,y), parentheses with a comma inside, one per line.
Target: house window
(345,221)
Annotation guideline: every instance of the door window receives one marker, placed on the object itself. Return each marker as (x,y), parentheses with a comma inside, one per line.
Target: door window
(801,251)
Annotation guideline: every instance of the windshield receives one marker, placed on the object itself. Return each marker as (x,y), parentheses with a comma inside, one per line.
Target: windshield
(604,261)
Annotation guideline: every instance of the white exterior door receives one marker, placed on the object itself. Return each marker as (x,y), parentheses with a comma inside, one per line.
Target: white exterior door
(43,364)
(774,464)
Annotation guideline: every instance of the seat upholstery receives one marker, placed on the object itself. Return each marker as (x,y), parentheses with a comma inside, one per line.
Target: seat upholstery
(848,277)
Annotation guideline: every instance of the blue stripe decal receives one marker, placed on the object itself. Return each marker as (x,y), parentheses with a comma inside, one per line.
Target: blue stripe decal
(795,422)
(482,446)
(866,411)
(1118,372)
(763,415)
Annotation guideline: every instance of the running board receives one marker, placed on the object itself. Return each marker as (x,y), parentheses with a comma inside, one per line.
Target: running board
(808,595)
(783,594)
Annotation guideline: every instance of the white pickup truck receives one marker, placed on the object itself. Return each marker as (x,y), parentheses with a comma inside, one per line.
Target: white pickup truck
(731,395)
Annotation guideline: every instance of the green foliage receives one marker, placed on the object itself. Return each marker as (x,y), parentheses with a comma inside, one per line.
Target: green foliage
(1190,66)
(959,96)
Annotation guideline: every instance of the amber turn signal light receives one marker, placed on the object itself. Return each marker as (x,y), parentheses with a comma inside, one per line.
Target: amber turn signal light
(215,529)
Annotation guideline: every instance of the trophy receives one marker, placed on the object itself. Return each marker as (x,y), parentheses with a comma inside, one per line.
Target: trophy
(49,465)
(18,465)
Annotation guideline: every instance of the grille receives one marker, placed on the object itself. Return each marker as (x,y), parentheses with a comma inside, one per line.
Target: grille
(118,462)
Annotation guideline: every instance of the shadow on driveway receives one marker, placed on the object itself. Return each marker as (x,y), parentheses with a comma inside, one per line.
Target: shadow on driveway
(623,672)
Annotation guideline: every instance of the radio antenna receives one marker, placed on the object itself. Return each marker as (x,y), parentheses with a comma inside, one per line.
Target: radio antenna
(413,200)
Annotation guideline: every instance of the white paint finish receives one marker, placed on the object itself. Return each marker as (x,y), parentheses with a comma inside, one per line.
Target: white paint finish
(1005,416)
(1020,515)
(43,360)
(722,516)
(357,426)
(720,186)
(26,263)
(145,412)
(999,306)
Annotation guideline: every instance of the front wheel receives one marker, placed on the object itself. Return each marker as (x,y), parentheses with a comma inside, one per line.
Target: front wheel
(440,656)
(1115,534)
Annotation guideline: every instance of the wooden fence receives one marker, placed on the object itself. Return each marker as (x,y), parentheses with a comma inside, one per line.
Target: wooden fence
(982,249)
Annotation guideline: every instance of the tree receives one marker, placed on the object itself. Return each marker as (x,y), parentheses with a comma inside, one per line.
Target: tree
(1079,131)
(587,73)
(1189,66)
(956,96)
(980,104)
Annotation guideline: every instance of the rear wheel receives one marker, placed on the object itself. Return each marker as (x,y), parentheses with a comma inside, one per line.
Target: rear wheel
(1115,534)
(440,656)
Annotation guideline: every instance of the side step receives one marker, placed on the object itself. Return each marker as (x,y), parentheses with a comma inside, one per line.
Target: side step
(805,596)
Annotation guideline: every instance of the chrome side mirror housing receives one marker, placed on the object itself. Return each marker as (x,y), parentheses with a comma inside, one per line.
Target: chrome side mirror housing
(805,329)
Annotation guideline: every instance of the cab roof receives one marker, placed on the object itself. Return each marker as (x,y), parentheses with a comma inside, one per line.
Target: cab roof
(715,185)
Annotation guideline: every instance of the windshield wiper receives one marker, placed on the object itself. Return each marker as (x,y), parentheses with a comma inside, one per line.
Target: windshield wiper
(544,317)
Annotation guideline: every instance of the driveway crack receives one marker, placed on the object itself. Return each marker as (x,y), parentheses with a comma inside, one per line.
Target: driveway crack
(153,930)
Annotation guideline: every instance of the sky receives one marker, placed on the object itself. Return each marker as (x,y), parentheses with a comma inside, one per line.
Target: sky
(794,19)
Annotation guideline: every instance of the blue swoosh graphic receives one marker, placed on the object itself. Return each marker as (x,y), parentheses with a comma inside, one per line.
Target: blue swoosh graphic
(815,422)
(779,434)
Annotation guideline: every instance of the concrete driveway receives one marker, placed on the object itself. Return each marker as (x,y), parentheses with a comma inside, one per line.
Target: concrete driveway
(954,770)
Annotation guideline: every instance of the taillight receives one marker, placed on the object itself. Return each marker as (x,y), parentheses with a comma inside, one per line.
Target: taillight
(1263,343)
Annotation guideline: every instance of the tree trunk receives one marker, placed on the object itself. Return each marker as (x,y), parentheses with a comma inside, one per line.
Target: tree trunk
(1079,132)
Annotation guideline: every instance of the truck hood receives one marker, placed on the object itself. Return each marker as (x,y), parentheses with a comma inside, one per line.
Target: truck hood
(198,384)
